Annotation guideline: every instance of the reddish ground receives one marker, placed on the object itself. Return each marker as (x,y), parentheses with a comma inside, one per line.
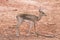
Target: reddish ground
(49,24)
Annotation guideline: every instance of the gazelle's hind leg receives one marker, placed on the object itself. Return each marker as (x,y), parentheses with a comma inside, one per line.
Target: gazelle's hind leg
(19,22)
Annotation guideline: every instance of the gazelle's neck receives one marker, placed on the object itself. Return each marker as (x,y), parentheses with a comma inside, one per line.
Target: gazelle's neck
(39,16)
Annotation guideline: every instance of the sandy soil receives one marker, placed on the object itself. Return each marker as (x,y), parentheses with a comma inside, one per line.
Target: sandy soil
(49,24)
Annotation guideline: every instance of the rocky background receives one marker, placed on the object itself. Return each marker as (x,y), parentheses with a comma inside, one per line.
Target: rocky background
(49,24)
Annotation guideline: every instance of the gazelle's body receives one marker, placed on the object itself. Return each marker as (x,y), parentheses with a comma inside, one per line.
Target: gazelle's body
(28,17)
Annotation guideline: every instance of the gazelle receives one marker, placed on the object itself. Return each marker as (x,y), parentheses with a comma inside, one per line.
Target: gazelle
(30,18)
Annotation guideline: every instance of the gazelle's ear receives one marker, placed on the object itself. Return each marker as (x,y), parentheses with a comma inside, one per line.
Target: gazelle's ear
(41,8)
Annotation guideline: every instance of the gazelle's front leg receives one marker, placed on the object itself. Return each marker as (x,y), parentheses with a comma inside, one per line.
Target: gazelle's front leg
(19,22)
(32,24)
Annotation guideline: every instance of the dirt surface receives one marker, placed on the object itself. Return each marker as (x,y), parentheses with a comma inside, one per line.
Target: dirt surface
(49,24)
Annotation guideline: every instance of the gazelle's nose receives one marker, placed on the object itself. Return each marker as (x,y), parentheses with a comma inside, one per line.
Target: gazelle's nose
(45,15)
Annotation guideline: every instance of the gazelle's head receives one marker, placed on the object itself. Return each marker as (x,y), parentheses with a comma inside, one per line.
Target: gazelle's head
(42,13)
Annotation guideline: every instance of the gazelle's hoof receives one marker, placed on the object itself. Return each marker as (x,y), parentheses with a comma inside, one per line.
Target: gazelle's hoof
(36,34)
(27,34)
(17,35)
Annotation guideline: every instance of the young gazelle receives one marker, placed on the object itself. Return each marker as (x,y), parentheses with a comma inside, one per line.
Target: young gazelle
(30,18)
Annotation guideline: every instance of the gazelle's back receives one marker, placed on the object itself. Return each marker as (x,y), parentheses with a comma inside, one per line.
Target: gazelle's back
(28,17)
